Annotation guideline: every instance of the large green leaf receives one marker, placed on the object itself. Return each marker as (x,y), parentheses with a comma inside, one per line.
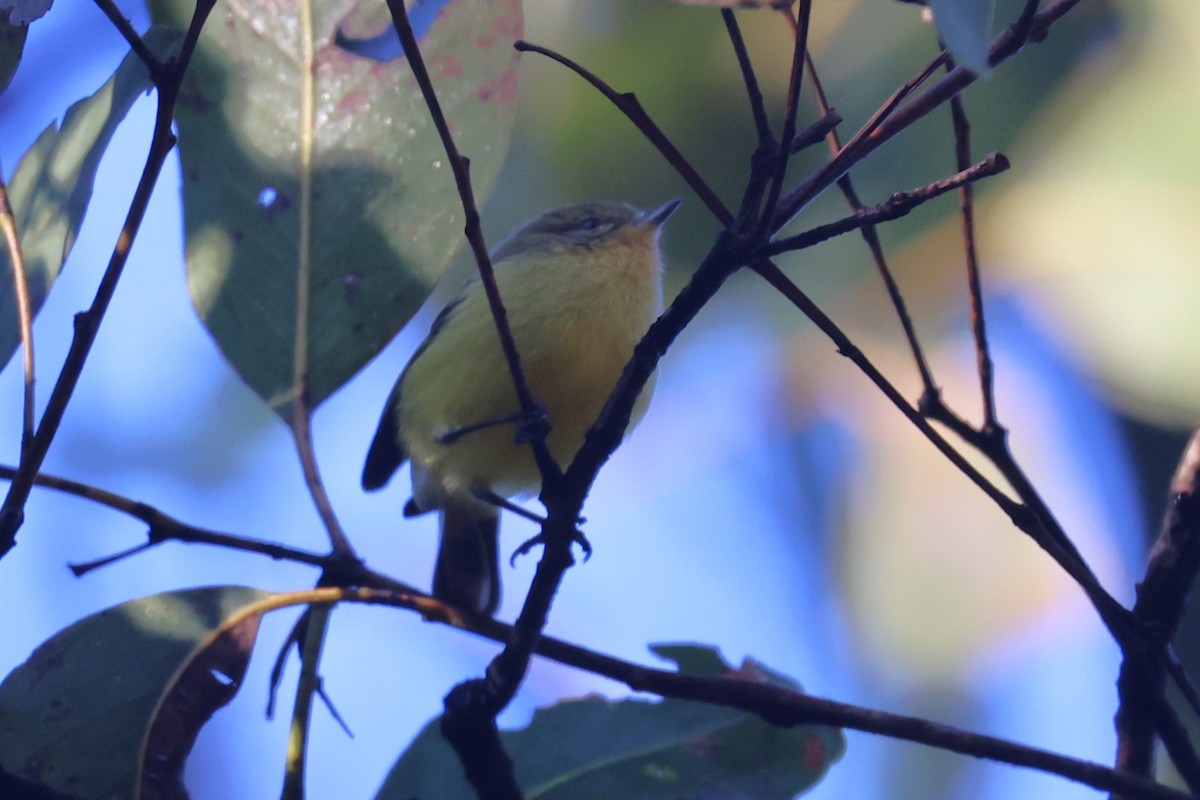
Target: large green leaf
(318,205)
(103,697)
(595,749)
(12,45)
(52,186)
(964,26)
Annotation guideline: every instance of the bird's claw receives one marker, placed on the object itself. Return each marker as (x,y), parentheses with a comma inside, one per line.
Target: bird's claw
(527,546)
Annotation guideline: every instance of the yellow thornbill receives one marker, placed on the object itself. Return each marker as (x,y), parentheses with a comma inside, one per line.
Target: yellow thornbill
(581,286)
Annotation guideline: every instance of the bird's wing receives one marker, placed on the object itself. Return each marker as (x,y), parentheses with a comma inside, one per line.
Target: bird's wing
(386,453)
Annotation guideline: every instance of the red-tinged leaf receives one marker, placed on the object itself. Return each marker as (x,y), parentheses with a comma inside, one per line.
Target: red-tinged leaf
(82,713)
(596,749)
(205,684)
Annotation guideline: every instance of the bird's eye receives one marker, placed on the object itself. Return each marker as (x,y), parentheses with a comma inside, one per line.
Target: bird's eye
(589,224)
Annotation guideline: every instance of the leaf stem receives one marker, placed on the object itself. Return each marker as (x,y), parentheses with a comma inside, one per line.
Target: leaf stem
(8,224)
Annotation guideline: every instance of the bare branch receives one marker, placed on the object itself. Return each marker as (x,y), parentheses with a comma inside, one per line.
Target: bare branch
(460,165)
(1162,596)
(983,356)
(795,80)
(753,92)
(123,26)
(87,323)
(871,237)
(301,425)
(896,206)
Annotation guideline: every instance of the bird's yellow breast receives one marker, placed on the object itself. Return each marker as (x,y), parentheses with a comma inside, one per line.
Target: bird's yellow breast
(575,322)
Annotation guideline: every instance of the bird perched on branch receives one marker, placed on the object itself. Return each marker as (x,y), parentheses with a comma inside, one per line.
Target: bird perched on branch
(581,285)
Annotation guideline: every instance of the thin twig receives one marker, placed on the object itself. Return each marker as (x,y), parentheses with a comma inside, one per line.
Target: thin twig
(302,434)
(753,93)
(627,104)
(788,133)
(818,131)
(123,26)
(1162,596)
(983,355)
(871,237)
(87,323)
(460,165)
(16,259)
(1020,30)
(896,206)
(163,527)
(879,131)
(306,689)
(824,176)
(480,718)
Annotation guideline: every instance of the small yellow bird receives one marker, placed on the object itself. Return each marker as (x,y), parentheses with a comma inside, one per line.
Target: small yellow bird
(581,286)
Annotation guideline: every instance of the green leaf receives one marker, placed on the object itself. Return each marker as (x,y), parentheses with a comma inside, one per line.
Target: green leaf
(775,4)
(12,45)
(964,27)
(318,205)
(673,749)
(23,12)
(127,686)
(52,186)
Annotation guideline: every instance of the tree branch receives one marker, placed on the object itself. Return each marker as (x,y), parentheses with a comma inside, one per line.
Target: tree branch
(896,206)
(1161,600)
(983,356)
(871,237)
(460,165)
(87,323)
(784,155)
(774,704)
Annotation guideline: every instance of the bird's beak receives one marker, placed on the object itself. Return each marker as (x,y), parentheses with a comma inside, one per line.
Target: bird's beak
(661,214)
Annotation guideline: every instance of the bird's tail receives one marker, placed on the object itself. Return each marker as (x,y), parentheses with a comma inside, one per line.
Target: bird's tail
(467,573)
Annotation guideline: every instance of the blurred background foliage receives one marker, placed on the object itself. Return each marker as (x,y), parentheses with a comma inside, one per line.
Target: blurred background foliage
(772,503)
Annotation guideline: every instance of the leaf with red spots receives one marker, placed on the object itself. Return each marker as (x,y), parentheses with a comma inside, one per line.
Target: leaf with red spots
(124,692)
(776,4)
(318,205)
(596,749)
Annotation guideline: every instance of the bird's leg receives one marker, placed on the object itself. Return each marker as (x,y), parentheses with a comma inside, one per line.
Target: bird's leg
(577,537)
(491,498)
(529,427)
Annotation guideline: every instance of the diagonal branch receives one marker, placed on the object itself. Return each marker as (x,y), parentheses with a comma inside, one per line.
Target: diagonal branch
(896,206)
(775,704)
(795,80)
(123,26)
(871,237)
(460,165)
(753,93)
(627,104)
(1161,600)
(983,356)
(87,323)
(880,130)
